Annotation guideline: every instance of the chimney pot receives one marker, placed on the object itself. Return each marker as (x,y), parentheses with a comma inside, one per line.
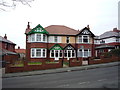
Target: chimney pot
(5,36)
(18,47)
(28,26)
(88,27)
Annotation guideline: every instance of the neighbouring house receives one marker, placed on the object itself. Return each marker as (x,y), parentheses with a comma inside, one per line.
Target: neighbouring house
(7,50)
(58,42)
(21,52)
(107,41)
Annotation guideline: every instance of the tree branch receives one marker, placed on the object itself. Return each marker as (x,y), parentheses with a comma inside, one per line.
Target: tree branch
(12,3)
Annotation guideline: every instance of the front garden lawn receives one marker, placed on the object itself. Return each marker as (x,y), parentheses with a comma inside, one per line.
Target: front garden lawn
(51,62)
(18,65)
(34,63)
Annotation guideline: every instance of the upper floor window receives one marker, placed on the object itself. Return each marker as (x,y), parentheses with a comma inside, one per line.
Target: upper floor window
(83,39)
(32,38)
(102,41)
(55,39)
(67,39)
(37,38)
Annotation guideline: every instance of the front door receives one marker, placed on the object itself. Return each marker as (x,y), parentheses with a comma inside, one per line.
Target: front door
(56,54)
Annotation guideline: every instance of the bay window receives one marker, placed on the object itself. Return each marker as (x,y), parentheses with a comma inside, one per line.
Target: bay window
(38,53)
(37,38)
(56,53)
(84,53)
(69,53)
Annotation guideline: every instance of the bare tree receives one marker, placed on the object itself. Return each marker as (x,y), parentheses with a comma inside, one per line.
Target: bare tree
(12,3)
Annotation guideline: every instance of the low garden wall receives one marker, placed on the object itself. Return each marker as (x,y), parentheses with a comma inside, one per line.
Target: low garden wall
(74,62)
(59,64)
(26,67)
(103,60)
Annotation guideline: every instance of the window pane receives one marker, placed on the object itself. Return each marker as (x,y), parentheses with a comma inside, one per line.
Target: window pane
(85,39)
(69,53)
(55,39)
(44,52)
(73,53)
(80,39)
(33,37)
(86,53)
(38,52)
(56,53)
(38,38)
(68,39)
(60,53)
(65,53)
(44,37)
(33,53)
(52,53)
(89,53)
(80,54)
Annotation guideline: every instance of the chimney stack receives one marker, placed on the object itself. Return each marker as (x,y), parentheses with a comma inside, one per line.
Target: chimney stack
(115,30)
(88,27)
(28,26)
(5,36)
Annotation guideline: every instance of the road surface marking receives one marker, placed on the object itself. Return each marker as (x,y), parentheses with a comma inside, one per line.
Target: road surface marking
(101,80)
(63,85)
(84,82)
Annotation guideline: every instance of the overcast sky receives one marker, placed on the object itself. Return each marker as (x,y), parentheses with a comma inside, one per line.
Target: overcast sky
(101,15)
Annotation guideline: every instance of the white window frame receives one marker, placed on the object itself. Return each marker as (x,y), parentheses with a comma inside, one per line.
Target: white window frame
(82,37)
(35,56)
(56,39)
(83,52)
(70,53)
(54,54)
(33,38)
(68,38)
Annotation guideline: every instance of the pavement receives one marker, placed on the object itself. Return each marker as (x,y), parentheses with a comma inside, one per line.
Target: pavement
(60,70)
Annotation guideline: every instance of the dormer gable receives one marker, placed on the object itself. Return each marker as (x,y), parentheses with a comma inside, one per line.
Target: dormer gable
(38,29)
(69,47)
(56,47)
(86,31)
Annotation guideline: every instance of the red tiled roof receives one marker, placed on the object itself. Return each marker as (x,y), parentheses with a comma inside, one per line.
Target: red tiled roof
(61,30)
(20,50)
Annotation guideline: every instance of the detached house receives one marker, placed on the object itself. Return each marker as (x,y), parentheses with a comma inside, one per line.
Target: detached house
(57,42)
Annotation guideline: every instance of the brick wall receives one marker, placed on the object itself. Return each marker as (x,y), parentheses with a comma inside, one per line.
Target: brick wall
(27,67)
(103,60)
(74,62)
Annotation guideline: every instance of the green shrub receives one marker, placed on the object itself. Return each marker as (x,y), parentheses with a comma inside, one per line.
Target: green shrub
(114,52)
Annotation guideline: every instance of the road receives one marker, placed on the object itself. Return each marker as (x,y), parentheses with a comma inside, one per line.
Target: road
(92,78)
